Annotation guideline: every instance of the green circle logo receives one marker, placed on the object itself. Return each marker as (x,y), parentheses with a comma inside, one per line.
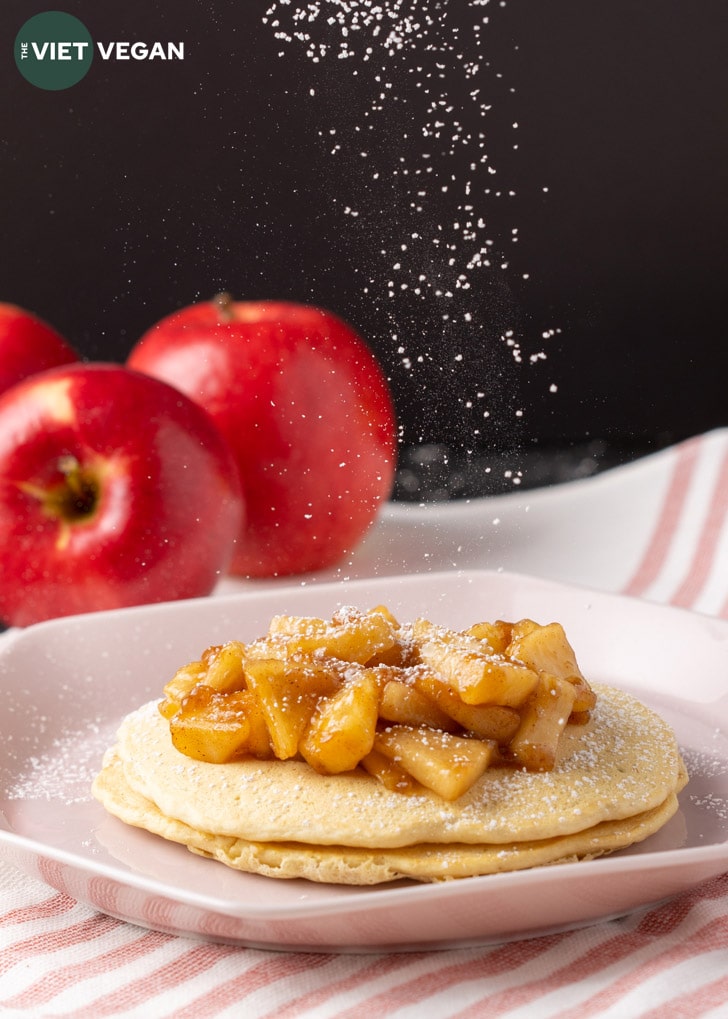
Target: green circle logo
(53,50)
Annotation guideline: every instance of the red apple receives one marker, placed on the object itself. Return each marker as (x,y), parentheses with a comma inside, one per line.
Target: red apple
(28,345)
(307,411)
(115,490)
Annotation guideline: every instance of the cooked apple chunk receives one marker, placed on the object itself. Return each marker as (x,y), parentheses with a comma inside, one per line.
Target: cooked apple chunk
(342,729)
(496,635)
(543,719)
(446,764)
(415,705)
(180,685)
(546,649)
(220,667)
(225,667)
(287,696)
(478,676)
(388,772)
(211,726)
(403,702)
(584,700)
(487,721)
(350,635)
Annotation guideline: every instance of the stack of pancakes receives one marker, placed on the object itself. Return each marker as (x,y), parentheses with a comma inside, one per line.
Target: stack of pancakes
(615,783)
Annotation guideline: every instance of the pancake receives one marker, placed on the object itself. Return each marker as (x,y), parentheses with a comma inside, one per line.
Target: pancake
(338,864)
(614,783)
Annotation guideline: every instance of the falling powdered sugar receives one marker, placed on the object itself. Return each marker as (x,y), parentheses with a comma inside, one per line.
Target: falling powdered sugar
(415,146)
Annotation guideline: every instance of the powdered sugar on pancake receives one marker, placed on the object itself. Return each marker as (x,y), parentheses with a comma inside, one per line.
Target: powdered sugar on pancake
(623,762)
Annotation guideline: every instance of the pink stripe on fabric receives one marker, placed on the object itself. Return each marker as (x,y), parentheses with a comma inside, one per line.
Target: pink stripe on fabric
(668,519)
(596,958)
(45,989)
(692,585)
(56,941)
(190,964)
(270,970)
(657,923)
(499,960)
(707,939)
(693,1003)
(53,906)
(382,966)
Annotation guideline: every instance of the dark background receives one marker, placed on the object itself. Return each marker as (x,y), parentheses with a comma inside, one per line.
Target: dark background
(150,185)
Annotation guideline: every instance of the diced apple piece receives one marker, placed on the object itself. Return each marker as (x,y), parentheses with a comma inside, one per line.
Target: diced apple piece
(351,635)
(543,719)
(225,667)
(544,649)
(402,702)
(477,676)
(399,654)
(167,708)
(487,721)
(584,697)
(383,610)
(523,627)
(547,649)
(287,698)
(446,764)
(579,717)
(210,726)
(342,729)
(258,743)
(388,772)
(497,635)
(180,685)
(219,667)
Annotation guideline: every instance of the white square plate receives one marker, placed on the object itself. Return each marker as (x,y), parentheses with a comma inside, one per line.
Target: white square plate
(67,683)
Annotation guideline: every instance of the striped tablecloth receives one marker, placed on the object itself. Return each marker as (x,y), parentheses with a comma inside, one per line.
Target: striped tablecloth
(656,529)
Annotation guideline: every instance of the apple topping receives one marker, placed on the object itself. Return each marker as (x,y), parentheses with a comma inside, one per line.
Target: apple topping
(416,706)
(446,764)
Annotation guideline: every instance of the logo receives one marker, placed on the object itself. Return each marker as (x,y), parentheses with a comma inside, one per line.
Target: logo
(54,50)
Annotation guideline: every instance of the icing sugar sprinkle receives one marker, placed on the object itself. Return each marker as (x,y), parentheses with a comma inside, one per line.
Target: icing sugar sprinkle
(418,169)
(63,770)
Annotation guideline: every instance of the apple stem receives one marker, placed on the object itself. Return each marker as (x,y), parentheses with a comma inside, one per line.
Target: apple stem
(224,303)
(74,498)
(80,488)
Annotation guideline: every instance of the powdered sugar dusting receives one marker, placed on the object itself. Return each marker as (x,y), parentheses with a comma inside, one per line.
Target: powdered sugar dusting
(63,770)
(623,763)
(417,169)
(705,794)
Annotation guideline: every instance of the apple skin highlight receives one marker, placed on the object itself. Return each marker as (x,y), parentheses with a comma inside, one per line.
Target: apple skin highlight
(307,411)
(115,490)
(28,345)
